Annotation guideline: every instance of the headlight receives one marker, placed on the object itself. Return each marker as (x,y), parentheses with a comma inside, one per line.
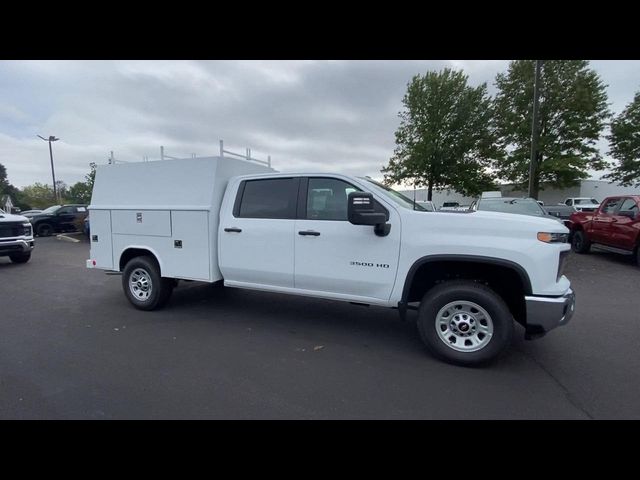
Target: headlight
(27,229)
(553,237)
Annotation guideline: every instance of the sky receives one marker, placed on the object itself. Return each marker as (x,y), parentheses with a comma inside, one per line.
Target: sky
(321,116)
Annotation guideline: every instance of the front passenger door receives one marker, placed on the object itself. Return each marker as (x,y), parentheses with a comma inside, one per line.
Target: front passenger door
(334,257)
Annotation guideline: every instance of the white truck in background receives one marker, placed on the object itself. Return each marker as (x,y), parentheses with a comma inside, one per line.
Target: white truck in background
(220,219)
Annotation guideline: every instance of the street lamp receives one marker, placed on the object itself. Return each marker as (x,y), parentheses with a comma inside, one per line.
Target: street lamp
(52,138)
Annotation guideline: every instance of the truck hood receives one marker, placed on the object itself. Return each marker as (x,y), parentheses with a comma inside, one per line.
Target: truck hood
(7,217)
(493,220)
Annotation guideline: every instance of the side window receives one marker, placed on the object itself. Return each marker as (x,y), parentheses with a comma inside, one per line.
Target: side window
(610,206)
(269,198)
(66,211)
(629,205)
(569,202)
(327,199)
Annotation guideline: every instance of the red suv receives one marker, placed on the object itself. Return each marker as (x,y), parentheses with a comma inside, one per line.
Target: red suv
(614,227)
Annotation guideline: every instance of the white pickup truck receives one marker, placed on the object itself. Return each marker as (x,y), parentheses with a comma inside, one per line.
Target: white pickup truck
(16,237)
(219,219)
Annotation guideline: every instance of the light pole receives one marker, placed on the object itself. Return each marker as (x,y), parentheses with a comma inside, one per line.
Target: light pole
(52,138)
(535,133)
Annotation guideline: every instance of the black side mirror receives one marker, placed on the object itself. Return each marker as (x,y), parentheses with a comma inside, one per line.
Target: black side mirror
(628,213)
(361,211)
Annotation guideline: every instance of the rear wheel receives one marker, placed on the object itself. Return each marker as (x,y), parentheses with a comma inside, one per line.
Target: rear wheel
(20,257)
(580,243)
(44,230)
(465,323)
(143,285)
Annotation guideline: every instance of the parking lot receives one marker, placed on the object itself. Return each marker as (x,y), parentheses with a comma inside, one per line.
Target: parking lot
(72,347)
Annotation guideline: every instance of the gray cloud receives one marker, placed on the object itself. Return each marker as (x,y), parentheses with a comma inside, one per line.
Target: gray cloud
(308,115)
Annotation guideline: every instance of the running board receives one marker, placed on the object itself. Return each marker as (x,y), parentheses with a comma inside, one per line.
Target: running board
(607,248)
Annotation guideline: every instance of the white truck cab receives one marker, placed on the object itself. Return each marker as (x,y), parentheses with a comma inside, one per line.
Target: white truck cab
(583,204)
(469,275)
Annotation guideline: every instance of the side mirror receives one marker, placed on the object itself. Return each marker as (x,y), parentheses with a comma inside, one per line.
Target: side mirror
(628,213)
(361,211)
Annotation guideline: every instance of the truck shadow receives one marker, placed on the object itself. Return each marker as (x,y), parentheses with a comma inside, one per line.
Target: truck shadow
(295,313)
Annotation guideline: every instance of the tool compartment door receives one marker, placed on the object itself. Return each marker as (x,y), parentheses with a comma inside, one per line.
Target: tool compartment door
(100,237)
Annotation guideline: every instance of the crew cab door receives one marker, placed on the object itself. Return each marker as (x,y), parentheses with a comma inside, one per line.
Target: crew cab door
(256,236)
(603,221)
(624,233)
(334,257)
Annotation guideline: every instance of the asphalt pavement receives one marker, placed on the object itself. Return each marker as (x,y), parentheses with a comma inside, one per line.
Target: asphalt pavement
(72,347)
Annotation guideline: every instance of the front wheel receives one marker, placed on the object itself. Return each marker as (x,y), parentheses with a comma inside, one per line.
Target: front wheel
(20,257)
(44,230)
(465,323)
(580,243)
(143,285)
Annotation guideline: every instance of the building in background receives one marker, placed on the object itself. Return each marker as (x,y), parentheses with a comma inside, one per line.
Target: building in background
(598,189)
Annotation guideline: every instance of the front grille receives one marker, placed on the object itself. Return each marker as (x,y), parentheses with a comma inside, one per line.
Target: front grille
(11,229)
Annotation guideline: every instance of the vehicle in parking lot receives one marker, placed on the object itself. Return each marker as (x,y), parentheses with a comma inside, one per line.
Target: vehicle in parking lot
(16,237)
(219,219)
(614,226)
(561,211)
(428,206)
(30,213)
(59,219)
(583,204)
(520,206)
(86,229)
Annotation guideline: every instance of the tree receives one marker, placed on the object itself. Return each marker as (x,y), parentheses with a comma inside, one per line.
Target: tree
(6,188)
(572,114)
(80,192)
(444,139)
(624,141)
(38,195)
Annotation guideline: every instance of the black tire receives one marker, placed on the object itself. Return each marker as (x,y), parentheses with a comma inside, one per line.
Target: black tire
(470,293)
(44,229)
(160,288)
(20,257)
(580,243)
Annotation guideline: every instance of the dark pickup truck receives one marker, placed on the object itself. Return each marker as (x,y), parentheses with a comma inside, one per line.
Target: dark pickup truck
(614,227)
(59,219)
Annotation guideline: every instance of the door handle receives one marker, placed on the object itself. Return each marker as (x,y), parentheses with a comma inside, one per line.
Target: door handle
(233,229)
(309,232)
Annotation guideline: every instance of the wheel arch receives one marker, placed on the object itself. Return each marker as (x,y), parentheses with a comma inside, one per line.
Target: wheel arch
(421,278)
(133,251)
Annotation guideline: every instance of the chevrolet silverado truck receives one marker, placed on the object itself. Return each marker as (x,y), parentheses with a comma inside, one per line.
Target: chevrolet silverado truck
(16,237)
(468,275)
(614,227)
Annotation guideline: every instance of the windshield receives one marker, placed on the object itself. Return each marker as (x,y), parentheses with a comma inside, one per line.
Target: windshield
(397,197)
(522,206)
(586,201)
(51,209)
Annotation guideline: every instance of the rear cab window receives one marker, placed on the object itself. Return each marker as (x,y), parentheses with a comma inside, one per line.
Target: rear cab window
(274,198)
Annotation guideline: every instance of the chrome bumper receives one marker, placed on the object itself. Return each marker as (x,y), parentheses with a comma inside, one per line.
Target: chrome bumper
(7,247)
(547,313)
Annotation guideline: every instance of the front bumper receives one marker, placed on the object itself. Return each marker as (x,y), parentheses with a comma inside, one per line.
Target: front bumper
(547,313)
(9,247)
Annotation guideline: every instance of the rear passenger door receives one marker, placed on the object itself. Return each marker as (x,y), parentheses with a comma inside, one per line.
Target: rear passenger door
(624,233)
(256,237)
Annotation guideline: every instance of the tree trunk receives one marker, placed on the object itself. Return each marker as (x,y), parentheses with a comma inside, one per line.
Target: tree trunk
(535,190)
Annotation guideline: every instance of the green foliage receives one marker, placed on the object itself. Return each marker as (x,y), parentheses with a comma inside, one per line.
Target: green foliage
(38,195)
(444,139)
(573,111)
(624,141)
(80,192)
